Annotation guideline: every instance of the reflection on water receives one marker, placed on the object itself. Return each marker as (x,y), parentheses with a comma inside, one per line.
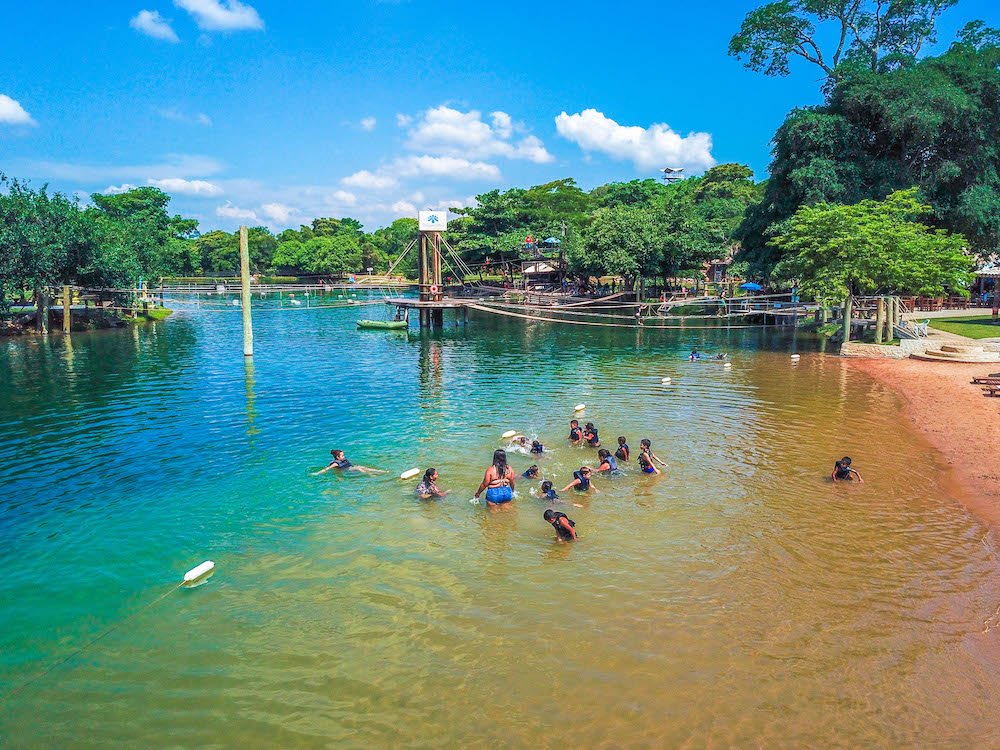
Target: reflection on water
(738,600)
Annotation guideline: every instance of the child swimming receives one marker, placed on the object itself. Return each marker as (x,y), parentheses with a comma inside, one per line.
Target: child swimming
(590,435)
(608,465)
(843,472)
(575,433)
(428,489)
(623,450)
(531,472)
(547,492)
(645,446)
(537,447)
(341,463)
(694,355)
(581,481)
(564,526)
(646,464)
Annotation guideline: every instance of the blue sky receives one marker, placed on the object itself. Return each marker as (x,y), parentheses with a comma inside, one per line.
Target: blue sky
(276,112)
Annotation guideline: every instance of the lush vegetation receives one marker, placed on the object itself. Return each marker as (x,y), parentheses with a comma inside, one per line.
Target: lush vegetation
(890,186)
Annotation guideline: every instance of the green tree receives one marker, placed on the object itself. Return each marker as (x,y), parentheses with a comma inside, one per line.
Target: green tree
(621,241)
(219,252)
(935,125)
(872,247)
(874,34)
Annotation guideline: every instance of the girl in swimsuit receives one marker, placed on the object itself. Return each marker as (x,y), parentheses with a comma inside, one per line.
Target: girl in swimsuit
(498,481)
(428,489)
(341,463)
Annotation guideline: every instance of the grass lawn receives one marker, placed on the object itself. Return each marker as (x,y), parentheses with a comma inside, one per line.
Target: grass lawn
(979,327)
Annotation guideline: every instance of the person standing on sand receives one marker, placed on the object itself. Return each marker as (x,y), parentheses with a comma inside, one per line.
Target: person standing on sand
(498,481)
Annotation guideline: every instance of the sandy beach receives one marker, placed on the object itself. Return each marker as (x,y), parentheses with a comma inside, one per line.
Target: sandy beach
(957,420)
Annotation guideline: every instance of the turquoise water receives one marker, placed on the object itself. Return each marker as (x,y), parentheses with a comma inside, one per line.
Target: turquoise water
(740,599)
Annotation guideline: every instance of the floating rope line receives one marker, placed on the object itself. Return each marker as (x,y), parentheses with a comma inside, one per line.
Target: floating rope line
(610,325)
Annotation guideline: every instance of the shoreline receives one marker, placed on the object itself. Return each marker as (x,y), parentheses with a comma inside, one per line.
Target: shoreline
(955,418)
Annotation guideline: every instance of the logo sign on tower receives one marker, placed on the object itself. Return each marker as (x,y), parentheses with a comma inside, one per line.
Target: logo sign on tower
(433,221)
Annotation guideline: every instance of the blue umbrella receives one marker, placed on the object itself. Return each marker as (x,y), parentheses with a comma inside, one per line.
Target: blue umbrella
(751,287)
(552,241)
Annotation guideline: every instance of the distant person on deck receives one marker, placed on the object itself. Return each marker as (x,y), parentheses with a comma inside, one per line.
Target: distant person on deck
(842,471)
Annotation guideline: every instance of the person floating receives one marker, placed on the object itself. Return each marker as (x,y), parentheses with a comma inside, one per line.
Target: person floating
(548,493)
(564,526)
(498,481)
(694,355)
(531,472)
(842,471)
(537,448)
(622,452)
(590,435)
(721,356)
(428,489)
(581,481)
(341,463)
(645,446)
(575,433)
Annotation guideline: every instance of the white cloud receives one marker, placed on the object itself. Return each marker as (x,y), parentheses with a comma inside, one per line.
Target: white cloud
(151,23)
(403,121)
(404,207)
(172,113)
(342,196)
(118,189)
(173,165)
(222,15)
(444,166)
(12,113)
(444,131)
(229,211)
(278,212)
(647,148)
(369,180)
(186,187)
(368,123)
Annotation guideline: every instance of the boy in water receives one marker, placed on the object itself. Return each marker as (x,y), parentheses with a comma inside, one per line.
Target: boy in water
(581,481)
(564,526)
(645,446)
(547,492)
(531,472)
(590,435)
(575,433)
(341,463)
(623,450)
(843,472)
(537,447)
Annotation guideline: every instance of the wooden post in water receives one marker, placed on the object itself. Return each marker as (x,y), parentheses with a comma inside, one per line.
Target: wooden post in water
(879,319)
(245,293)
(890,319)
(67,303)
(847,319)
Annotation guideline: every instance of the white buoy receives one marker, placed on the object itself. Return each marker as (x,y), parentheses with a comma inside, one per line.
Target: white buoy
(195,573)
(795,356)
(509,434)
(579,407)
(665,380)
(236,303)
(728,364)
(296,302)
(409,473)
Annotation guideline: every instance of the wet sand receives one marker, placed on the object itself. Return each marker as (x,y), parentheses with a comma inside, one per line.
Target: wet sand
(956,418)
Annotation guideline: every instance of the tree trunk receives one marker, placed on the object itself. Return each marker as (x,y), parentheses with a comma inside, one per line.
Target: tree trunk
(879,319)
(41,310)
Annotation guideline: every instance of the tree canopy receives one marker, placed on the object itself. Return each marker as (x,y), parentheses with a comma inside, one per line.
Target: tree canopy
(875,35)
(872,247)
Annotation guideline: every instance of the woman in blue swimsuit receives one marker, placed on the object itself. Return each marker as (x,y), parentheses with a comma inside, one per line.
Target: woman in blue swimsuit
(498,481)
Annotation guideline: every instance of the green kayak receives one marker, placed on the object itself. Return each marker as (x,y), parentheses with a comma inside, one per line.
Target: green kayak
(383,324)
